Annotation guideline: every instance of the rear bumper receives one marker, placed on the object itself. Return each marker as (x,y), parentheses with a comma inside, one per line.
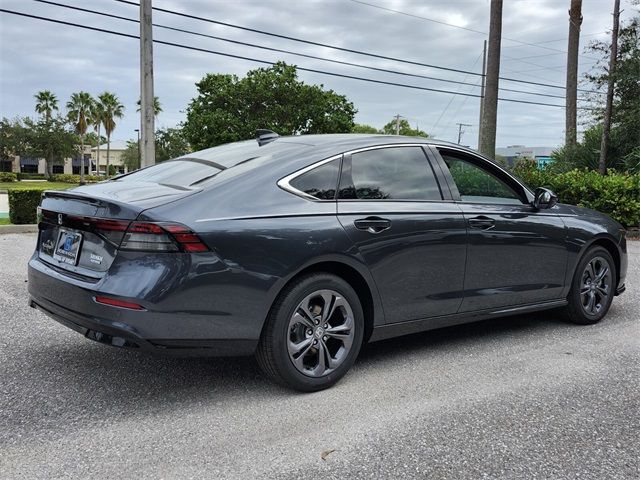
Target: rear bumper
(170,333)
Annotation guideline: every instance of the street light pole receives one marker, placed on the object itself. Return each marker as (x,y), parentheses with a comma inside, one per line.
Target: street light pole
(138,132)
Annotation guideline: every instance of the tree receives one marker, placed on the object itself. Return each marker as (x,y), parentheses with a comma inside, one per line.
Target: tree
(131,156)
(52,140)
(111,109)
(608,112)
(362,128)
(228,109)
(91,138)
(405,129)
(12,139)
(490,102)
(575,20)
(96,120)
(157,106)
(625,113)
(79,112)
(46,104)
(170,143)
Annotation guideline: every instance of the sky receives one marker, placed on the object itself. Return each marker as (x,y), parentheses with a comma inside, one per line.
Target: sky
(37,55)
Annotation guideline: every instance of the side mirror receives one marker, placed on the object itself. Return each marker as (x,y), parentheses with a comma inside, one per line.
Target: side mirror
(544,198)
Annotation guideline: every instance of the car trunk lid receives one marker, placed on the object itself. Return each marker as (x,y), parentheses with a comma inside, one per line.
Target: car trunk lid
(81,229)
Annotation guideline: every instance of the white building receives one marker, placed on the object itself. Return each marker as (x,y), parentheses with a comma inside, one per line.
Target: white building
(514,152)
(115,156)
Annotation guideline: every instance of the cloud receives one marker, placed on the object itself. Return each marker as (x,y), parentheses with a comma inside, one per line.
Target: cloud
(35,55)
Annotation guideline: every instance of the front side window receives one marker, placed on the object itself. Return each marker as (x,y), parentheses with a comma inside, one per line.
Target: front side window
(476,184)
(398,173)
(320,182)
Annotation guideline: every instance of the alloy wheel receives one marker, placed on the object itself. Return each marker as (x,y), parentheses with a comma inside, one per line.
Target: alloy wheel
(320,333)
(595,287)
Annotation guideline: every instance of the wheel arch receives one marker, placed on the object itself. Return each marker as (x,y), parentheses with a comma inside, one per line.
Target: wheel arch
(609,244)
(356,275)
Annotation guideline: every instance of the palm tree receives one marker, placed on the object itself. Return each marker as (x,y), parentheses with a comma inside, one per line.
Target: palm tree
(46,103)
(111,110)
(96,120)
(157,106)
(79,112)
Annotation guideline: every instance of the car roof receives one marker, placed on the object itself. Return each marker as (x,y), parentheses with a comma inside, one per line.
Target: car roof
(357,138)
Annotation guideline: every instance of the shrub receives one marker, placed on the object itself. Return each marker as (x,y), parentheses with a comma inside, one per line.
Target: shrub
(30,176)
(8,177)
(23,205)
(616,194)
(69,178)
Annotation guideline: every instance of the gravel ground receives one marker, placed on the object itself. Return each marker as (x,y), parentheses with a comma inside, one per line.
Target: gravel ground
(520,397)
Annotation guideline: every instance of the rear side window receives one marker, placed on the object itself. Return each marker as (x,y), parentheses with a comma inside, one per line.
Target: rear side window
(400,173)
(177,173)
(321,182)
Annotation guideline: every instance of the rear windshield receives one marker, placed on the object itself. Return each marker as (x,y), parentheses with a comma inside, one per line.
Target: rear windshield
(178,173)
(197,167)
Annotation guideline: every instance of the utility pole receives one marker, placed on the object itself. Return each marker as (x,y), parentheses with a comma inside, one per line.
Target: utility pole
(484,76)
(461,131)
(398,124)
(147,113)
(490,103)
(575,20)
(606,130)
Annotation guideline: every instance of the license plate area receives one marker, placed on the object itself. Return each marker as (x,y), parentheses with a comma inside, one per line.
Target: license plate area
(67,247)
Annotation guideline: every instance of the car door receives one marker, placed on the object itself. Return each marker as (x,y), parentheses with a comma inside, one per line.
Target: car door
(516,253)
(406,228)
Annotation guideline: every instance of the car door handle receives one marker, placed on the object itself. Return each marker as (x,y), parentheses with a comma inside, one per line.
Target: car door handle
(372,224)
(482,222)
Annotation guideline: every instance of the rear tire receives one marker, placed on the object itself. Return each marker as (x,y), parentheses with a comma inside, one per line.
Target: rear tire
(313,333)
(592,288)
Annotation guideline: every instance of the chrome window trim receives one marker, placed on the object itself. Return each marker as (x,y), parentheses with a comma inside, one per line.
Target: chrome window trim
(389,145)
(284,184)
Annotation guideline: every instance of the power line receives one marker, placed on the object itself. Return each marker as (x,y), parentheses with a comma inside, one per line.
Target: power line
(289,52)
(537,45)
(240,57)
(334,47)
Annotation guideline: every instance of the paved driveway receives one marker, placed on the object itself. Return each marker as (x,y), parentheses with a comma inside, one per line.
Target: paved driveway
(522,397)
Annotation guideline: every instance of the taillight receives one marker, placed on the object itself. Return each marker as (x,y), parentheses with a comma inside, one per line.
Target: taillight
(164,237)
(132,235)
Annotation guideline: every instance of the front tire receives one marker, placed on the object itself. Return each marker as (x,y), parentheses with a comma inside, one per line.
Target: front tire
(592,288)
(313,333)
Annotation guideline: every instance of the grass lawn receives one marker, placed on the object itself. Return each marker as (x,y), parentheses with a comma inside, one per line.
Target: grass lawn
(4,221)
(38,185)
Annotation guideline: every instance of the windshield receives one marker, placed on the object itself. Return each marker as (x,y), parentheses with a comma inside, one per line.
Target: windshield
(194,168)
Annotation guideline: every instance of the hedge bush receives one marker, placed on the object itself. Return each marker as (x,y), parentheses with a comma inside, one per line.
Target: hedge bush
(30,176)
(8,177)
(616,194)
(69,178)
(23,205)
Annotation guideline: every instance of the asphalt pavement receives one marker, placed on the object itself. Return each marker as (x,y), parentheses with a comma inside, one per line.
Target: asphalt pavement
(518,397)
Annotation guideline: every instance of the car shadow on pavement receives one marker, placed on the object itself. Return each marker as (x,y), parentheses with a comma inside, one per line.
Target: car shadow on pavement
(85,380)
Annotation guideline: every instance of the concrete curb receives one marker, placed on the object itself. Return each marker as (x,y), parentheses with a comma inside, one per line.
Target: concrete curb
(29,228)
